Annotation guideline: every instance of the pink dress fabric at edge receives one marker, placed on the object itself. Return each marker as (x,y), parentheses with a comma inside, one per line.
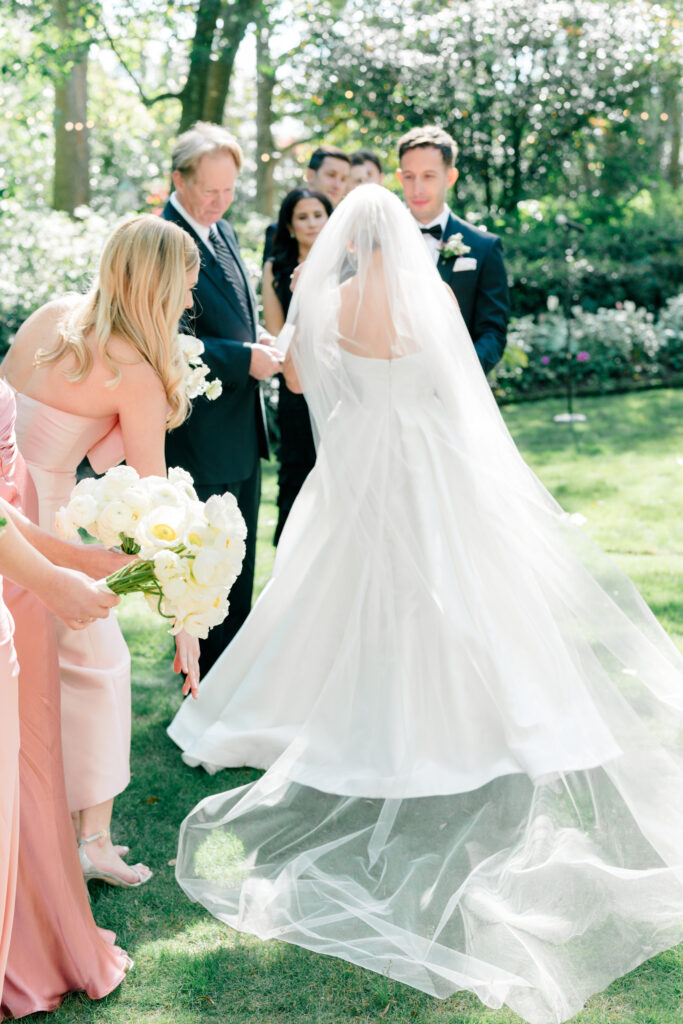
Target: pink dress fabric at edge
(94,663)
(9,780)
(55,946)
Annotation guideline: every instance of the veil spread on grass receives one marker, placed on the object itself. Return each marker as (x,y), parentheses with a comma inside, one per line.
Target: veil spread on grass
(471,721)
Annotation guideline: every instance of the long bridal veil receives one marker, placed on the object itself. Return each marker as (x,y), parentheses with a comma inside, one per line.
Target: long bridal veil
(476,776)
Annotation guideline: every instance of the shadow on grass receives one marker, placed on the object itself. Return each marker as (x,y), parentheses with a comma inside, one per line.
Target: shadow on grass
(615,424)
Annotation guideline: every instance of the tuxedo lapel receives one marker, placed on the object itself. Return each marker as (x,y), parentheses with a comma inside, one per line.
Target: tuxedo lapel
(445,266)
(445,263)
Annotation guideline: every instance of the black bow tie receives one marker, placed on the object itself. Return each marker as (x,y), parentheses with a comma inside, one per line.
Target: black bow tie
(436,231)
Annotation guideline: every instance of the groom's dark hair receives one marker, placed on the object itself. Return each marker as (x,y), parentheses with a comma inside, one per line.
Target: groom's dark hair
(430,135)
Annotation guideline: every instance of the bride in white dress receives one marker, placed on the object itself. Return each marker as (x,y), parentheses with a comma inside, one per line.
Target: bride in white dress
(471,721)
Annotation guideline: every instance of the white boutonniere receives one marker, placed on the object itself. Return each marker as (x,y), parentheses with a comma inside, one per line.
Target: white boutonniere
(196,371)
(454,246)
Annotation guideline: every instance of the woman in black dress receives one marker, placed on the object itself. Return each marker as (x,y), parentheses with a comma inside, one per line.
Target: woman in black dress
(303,214)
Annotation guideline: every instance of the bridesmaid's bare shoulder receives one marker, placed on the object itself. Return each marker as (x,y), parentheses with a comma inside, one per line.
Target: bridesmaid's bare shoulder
(139,381)
(47,318)
(39,330)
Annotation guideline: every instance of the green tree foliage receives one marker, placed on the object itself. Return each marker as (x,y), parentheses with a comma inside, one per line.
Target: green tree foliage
(543,97)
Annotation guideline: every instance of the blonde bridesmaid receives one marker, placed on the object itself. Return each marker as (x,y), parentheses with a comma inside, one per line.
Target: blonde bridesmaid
(101,375)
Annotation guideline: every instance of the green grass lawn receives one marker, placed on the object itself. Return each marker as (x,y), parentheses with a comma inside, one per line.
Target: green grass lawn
(623,470)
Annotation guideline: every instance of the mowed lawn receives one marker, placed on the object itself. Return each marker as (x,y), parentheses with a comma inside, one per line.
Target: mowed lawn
(623,470)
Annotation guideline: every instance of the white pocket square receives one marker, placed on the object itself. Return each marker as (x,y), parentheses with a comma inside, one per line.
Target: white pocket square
(464,263)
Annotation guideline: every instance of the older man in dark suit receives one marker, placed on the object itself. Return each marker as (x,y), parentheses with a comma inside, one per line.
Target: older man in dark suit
(222,441)
(469,260)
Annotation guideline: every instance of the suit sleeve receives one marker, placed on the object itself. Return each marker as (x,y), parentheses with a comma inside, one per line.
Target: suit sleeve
(227,360)
(492,309)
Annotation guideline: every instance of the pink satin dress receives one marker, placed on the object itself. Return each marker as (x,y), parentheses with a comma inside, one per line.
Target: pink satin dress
(9,704)
(55,946)
(9,779)
(94,663)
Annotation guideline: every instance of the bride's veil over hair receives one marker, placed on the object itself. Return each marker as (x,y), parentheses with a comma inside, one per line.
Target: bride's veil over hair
(370,288)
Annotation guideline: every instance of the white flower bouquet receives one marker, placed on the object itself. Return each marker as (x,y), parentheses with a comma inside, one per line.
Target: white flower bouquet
(190,552)
(196,370)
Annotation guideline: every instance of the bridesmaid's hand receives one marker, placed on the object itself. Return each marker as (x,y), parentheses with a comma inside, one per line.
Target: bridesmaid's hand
(98,562)
(75,599)
(187,661)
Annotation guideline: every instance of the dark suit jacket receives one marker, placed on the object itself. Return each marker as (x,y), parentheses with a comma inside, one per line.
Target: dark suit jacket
(221,441)
(482,292)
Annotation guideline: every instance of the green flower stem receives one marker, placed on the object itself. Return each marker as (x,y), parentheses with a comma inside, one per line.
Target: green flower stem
(137,577)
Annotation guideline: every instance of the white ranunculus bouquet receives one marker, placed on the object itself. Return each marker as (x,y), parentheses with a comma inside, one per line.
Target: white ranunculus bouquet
(190,552)
(196,370)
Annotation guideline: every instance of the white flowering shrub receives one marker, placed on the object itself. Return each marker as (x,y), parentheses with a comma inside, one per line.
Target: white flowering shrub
(605,351)
(43,254)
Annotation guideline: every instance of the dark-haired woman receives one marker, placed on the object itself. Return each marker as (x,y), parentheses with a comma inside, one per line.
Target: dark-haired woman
(302,216)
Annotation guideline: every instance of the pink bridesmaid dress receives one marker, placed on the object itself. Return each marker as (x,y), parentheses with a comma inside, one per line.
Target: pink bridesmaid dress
(94,663)
(9,780)
(55,946)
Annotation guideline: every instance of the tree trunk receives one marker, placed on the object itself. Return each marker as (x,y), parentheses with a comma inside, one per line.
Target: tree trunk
(213,58)
(72,170)
(515,190)
(265,84)
(193,96)
(236,18)
(675,112)
(71,184)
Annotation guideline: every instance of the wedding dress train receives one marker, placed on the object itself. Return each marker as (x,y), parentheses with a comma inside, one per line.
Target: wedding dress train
(471,721)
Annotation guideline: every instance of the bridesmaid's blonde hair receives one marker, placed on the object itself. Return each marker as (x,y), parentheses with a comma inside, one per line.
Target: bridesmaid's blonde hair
(139,296)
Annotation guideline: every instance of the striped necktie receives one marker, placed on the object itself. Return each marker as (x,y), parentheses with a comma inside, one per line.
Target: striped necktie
(231,271)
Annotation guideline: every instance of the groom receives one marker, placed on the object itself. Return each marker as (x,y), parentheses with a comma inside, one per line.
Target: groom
(472,265)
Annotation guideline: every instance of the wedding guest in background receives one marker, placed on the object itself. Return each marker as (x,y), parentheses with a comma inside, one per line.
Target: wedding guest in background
(327,172)
(366,169)
(100,374)
(303,214)
(469,259)
(223,442)
(49,944)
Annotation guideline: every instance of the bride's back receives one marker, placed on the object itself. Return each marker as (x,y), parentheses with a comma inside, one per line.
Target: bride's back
(366,327)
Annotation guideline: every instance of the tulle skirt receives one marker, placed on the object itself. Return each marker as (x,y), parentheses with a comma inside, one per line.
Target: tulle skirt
(471,721)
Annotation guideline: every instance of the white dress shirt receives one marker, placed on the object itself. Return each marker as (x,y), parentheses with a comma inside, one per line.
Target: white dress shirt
(203,233)
(198,228)
(432,243)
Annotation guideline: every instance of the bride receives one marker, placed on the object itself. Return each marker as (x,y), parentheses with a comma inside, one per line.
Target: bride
(471,721)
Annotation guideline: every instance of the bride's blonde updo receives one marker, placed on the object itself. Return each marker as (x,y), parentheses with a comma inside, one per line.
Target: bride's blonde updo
(139,296)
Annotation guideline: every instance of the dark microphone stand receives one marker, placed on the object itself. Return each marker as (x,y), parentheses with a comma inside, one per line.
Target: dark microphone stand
(570,248)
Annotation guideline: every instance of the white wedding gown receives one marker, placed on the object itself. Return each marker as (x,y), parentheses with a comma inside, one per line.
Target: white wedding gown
(472,724)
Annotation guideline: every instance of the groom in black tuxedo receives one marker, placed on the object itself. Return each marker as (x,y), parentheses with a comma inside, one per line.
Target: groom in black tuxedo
(222,441)
(471,265)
